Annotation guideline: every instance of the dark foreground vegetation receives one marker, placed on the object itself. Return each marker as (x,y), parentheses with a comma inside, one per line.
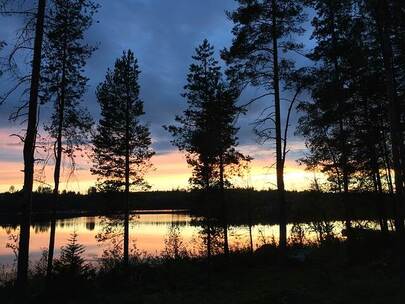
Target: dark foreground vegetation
(330,272)
(243,205)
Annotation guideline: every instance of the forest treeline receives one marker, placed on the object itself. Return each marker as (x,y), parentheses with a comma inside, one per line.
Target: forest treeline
(350,97)
(244,205)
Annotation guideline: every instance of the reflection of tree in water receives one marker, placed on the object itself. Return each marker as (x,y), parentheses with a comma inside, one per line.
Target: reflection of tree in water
(324,230)
(298,235)
(210,238)
(372,225)
(9,226)
(111,234)
(263,239)
(41,227)
(174,245)
(112,237)
(241,241)
(90,223)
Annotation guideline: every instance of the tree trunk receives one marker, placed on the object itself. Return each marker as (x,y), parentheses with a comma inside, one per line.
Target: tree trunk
(342,138)
(224,206)
(126,220)
(208,218)
(394,106)
(380,206)
(279,157)
(384,28)
(387,162)
(249,202)
(58,162)
(29,151)
(372,141)
(207,215)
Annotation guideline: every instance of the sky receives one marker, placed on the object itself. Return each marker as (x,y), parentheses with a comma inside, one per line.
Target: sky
(163,35)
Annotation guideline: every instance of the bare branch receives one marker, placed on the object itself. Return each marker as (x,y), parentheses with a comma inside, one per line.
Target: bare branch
(19,136)
(287,124)
(255,99)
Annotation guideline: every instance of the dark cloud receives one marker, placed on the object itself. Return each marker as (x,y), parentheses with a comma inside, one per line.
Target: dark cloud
(163,35)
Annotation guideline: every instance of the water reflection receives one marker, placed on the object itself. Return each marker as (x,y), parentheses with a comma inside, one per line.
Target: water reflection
(90,223)
(170,235)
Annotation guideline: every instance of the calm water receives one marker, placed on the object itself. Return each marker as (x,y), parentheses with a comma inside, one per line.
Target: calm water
(149,232)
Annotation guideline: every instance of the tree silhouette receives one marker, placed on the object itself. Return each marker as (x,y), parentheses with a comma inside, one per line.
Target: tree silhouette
(262,29)
(64,84)
(389,25)
(71,262)
(351,111)
(333,21)
(29,144)
(206,131)
(121,152)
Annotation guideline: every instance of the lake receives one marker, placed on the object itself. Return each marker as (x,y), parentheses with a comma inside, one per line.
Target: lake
(149,232)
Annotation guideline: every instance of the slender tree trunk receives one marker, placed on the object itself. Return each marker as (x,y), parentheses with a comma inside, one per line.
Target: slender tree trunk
(224,206)
(279,157)
(381,209)
(250,222)
(372,140)
(394,107)
(126,220)
(384,27)
(342,139)
(207,203)
(29,151)
(58,163)
(380,206)
(207,199)
(387,162)
(251,238)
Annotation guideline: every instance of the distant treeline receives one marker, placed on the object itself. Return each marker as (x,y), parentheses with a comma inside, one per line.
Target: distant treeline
(244,205)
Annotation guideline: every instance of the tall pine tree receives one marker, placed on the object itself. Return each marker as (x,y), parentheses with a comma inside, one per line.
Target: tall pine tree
(389,27)
(206,131)
(29,148)
(122,152)
(64,84)
(262,29)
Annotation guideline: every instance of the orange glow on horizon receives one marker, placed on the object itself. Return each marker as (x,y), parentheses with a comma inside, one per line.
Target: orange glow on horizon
(170,171)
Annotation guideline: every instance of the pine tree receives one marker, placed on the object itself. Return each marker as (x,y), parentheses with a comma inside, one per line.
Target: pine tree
(121,151)
(387,22)
(206,131)
(29,149)
(262,29)
(64,84)
(71,262)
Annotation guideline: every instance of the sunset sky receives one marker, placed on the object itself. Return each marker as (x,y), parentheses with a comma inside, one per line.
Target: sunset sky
(163,35)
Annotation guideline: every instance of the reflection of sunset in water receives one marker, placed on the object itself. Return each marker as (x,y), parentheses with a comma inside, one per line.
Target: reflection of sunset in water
(148,231)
